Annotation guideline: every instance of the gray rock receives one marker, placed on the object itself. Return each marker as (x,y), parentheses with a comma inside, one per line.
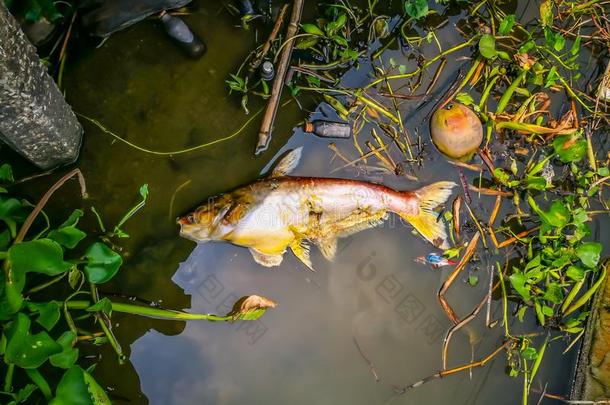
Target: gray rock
(35,120)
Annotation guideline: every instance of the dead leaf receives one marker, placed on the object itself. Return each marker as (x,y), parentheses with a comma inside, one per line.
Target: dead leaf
(251,304)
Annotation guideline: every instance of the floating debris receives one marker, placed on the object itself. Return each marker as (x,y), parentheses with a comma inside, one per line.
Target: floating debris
(435,260)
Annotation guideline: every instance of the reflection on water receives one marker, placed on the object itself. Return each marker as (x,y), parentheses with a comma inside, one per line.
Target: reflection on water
(305,350)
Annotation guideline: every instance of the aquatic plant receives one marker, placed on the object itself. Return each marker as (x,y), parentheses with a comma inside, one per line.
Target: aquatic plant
(49,299)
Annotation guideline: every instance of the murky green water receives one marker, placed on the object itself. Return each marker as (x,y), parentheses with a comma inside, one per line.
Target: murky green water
(142,88)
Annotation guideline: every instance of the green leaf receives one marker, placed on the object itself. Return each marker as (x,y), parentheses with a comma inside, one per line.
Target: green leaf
(27,350)
(77,387)
(306,43)
(535,183)
(24,393)
(553,294)
(529,353)
(12,213)
(551,77)
(312,29)
(104,305)
(557,216)
(68,237)
(340,40)
(336,25)
(575,46)
(416,8)
(589,253)
(69,354)
(501,175)
(519,283)
(102,263)
(487,46)
(38,256)
(506,25)
(6,173)
(11,299)
(575,273)
(48,313)
(144,191)
(570,148)
(5,240)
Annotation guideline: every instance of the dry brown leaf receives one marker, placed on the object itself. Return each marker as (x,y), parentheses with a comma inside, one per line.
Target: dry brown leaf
(250,303)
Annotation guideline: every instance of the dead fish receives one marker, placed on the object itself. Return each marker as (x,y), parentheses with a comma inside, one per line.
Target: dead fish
(280,212)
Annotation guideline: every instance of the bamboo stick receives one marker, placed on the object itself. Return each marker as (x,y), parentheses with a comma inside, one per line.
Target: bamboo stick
(264,134)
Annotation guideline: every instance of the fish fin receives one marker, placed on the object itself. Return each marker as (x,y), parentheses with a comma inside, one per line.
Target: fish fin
(267,260)
(288,163)
(357,224)
(427,221)
(328,247)
(301,251)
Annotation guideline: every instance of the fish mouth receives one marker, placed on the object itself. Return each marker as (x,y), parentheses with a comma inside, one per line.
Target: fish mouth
(187,231)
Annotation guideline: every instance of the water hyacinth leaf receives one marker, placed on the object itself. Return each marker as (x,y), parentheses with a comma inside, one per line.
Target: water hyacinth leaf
(312,29)
(553,294)
(24,393)
(12,213)
(336,25)
(11,299)
(506,25)
(6,173)
(416,8)
(102,263)
(529,353)
(68,356)
(519,283)
(38,256)
(5,240)
(67,234)
(78,387)
(104,305)
(48,313)
(535,183)
(24,349)
(589,253)
(575,273)
(487,46)
(570,148)
(307,43)
(250,307)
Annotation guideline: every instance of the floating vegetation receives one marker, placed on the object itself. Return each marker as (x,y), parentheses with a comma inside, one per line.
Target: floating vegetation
(542,157)
(50,305)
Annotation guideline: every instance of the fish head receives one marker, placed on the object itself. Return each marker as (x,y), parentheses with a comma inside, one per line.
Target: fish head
(205,222)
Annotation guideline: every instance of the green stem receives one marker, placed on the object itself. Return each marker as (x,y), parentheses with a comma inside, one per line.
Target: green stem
(150,312)
(40,382)
(45,285)
(8,382)
(425,65)
(504,301)
(509,92)
(586,296)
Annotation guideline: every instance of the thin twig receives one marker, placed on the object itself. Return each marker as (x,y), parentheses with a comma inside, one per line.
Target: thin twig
(371,366)
(465,259)
(45,198)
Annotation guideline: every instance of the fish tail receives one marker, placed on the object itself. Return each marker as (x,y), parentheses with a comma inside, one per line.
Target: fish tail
(427,221)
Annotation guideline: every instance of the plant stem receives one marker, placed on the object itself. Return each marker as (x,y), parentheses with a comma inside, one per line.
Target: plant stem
(509,92)
(8,382)
(152,312)
(425,65)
